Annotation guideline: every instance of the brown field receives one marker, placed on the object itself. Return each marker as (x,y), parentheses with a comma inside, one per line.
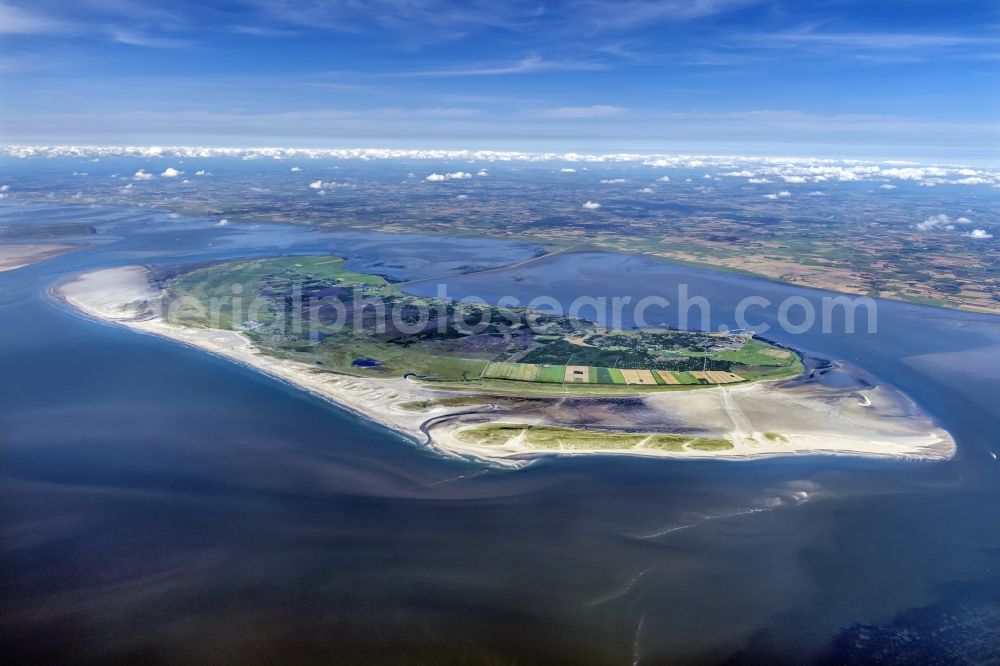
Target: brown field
(778,353)
(644,377)
(717,376)
(667,377)
(578,374)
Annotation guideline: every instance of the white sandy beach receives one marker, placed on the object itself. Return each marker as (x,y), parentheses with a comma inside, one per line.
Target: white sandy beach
(807,425)
(809,422)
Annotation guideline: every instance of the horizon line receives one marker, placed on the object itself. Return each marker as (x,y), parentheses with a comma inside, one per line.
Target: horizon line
(652,159)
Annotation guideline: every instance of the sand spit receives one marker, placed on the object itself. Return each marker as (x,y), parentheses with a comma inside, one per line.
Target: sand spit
(25,254)
(761,419)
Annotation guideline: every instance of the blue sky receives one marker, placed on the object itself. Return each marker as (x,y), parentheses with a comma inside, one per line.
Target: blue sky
(884,79)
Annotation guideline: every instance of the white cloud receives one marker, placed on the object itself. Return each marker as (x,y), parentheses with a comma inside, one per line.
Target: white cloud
(322,186)
(869,40)
(593,111)
(171,172)
(664,179)
(295,169)
(202,172)
(811,168)
(979,234)
(939,221)
(527,65)
(613,181)
(457,175)
(783,194)
(591,205)
(647,190)
(17,21)
(143,175)
(147,41)
(223,222)
(792,170)
(758,181)
(887,186)
(483,172)
(963,220)
(567,170)
(4,188)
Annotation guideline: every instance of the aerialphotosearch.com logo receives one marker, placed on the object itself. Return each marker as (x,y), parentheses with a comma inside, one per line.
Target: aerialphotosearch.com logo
(793,314)
(308,312)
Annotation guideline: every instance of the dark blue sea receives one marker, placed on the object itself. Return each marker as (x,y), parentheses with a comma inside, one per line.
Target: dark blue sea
(159,504)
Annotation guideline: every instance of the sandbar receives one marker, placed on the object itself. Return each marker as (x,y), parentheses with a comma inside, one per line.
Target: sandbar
(21,255)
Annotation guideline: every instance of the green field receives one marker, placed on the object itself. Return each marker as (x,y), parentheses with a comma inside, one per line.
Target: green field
(685,378)
(554,374)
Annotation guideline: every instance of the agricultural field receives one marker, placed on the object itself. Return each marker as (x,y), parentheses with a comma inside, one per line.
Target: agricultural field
(576,374)
(314,310)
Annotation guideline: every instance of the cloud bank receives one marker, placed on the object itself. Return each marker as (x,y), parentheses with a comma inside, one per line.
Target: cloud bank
(757,170)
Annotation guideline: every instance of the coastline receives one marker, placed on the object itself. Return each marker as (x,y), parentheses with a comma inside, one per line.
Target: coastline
(132,285)
(125,297)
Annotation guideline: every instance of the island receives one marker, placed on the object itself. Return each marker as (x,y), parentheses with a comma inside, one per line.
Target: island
(506,384)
